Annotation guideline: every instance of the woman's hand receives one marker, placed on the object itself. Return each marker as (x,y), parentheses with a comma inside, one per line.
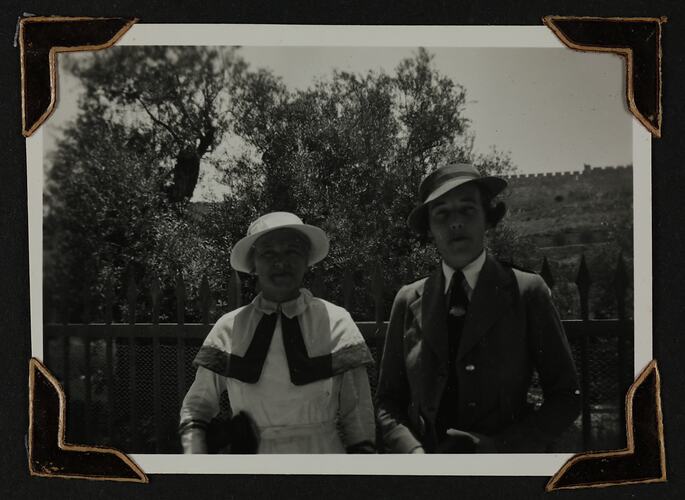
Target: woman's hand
(467,442)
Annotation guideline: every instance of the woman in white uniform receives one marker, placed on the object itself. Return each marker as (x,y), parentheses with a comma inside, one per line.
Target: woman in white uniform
(293,363)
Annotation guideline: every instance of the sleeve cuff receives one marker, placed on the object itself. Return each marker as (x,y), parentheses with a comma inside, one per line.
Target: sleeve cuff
(401,440)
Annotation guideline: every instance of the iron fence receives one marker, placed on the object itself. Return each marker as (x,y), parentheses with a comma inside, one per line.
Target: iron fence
(125,381)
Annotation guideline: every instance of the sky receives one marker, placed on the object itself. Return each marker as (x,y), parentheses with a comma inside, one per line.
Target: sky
(552,109)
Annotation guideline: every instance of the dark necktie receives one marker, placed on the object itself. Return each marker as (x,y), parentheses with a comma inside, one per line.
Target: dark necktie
(457,305)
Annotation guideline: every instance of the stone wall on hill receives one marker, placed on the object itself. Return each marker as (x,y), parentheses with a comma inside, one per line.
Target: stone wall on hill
(570,208)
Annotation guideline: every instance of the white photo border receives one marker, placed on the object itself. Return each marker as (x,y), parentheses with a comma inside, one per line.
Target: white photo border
(351,36)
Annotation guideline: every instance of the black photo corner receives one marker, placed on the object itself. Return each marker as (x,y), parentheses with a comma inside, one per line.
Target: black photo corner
(668,252)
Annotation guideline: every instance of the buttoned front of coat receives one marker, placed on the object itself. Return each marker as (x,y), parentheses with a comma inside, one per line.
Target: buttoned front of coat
(511,329)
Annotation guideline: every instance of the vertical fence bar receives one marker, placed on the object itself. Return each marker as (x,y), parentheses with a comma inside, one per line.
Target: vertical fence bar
(49,307)
(205,300)
(583,282)
(620,288)
(87,404)
(235,295)
(181,343)
(348,288)
(318,287)
(156,364)
(155,296)
(131,297)
(377,291)
(546,273)
(109,358)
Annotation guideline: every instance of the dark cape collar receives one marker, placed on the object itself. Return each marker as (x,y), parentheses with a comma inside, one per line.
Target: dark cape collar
(345,347)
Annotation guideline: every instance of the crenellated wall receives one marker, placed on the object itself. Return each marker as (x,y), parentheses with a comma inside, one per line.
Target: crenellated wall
(570,208)
(602,174)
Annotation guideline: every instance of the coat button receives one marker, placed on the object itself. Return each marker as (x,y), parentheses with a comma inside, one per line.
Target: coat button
(470,368)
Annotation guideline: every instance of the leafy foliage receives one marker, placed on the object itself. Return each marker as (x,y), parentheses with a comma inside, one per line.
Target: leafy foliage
(346,154)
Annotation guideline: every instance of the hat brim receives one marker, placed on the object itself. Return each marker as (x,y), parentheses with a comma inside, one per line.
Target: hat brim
(418,218)
(240,254)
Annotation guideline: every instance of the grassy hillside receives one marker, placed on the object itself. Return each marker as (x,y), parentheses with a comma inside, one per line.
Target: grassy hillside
(564,216)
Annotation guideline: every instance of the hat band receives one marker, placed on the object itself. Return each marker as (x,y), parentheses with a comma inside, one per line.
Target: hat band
(428,188)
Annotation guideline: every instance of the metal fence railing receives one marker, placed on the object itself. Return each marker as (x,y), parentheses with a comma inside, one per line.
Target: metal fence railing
(125,381)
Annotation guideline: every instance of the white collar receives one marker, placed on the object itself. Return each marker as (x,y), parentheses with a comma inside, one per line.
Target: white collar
(291,308)
(471,272)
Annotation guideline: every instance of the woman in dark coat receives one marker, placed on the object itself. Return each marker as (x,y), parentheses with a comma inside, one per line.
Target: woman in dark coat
(463,343)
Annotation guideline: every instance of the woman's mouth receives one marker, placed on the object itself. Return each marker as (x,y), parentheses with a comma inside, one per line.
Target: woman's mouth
(281,275)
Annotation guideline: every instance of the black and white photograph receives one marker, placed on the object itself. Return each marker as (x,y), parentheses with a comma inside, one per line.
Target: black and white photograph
(311,241)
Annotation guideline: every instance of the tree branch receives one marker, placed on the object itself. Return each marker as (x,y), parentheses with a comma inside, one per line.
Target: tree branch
(160,122)
(179,99)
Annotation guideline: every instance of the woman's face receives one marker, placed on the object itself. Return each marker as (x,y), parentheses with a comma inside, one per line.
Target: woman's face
(457,225)
(280,259)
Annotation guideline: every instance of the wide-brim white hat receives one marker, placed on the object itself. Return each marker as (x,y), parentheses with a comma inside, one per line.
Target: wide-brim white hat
(240,254)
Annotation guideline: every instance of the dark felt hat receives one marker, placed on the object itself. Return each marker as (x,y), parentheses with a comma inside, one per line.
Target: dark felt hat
(445,179)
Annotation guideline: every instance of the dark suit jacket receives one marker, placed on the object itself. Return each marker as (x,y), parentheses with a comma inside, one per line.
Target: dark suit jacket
(511,328)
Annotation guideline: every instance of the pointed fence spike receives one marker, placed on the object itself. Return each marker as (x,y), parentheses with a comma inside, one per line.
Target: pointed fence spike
(377,292)
(131,296)
(109,300)
(155,296)
(205,299)
(621,286)
(546,273)
(318,287)
(583,282)
(180,298)
(50,311)
(348,289)
(235,296)
(86,300)
(583,279)
(64,306)
(620,275)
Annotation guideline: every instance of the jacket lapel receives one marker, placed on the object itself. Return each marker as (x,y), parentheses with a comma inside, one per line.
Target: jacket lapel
(490,299)
(430,313)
